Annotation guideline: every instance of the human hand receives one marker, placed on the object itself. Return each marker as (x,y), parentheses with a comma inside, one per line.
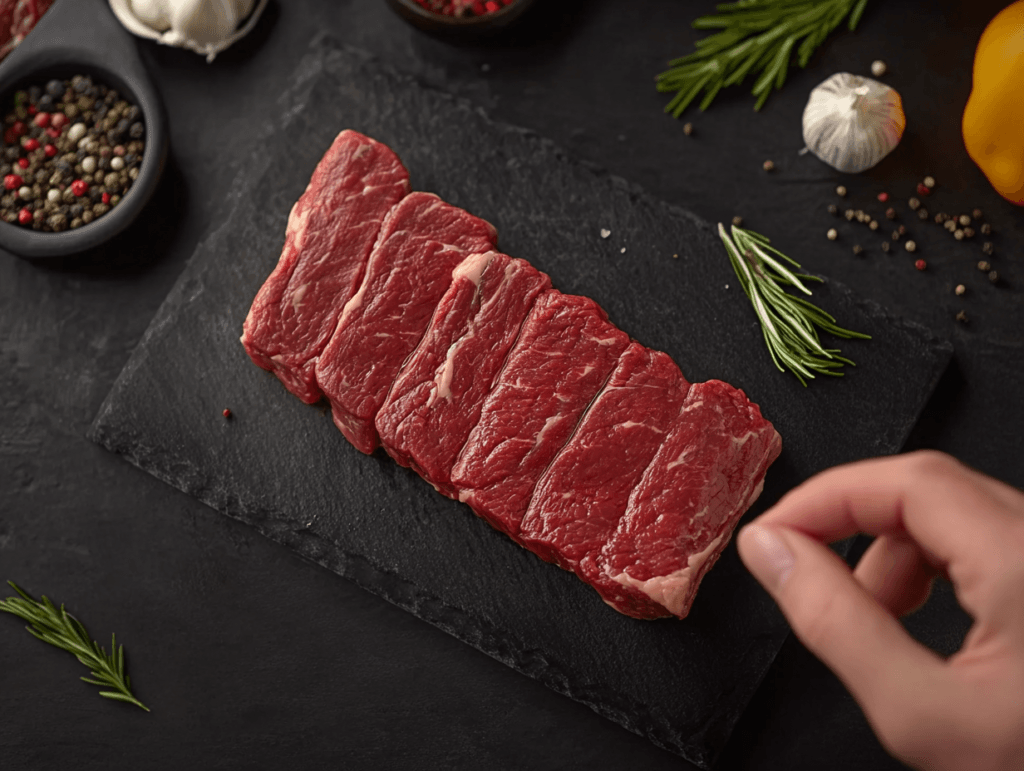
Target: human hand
(932,516)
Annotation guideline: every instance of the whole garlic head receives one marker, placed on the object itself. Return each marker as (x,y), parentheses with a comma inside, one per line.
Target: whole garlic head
(204,26)
(852,123)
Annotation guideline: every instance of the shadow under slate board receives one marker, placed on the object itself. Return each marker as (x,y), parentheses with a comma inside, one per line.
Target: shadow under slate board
(282,467)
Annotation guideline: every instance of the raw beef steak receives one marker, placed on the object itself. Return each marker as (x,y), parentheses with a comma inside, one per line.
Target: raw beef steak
(579,501)
(680,516)
(423,239)
(331,232)
(565,353)
(437,398)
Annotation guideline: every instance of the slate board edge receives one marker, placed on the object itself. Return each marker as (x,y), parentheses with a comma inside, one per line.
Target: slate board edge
(357,568)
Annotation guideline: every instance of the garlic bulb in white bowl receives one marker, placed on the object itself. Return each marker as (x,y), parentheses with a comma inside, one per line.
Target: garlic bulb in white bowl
(204,26)
(852,123)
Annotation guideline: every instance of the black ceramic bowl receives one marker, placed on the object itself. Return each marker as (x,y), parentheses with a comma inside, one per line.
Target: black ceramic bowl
(466,28)
(110,61)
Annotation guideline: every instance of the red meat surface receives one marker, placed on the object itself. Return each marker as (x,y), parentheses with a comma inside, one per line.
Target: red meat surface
(579,501)
(17,18)
(422,240)
(565,353)
(681,515)
(437,398)
(331,231)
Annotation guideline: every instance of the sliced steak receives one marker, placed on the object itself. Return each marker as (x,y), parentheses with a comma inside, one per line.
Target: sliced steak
(331,231)
(579,501)
(423,239)
(437,398)
(706,474)
(565,353)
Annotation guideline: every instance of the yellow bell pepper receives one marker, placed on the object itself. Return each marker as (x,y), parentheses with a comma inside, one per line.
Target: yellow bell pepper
(993,121)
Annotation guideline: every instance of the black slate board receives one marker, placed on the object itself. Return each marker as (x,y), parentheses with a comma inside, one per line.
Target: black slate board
(281,466)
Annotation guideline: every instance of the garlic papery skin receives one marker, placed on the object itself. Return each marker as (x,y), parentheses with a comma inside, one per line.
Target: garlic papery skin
(205,22)
(204,26)
(852,123)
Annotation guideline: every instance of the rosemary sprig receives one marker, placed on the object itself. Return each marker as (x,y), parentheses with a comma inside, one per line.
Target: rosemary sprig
(757,36)
(59,628)
(787,321)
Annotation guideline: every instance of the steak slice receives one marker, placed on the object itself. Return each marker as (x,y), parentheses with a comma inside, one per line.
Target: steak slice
(437,398)
(331,232)
(565,353)
(579,501)
(707,473)
(423,239)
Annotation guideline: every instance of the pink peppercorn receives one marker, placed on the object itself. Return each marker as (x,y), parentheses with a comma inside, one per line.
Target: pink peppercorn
(883,197)
(105,198)
(23,163)
(79,187)
(923,189)
(42,119)
(50,151)
(30,144)
(25,217)
(920,264)
(12,181)
(53,133)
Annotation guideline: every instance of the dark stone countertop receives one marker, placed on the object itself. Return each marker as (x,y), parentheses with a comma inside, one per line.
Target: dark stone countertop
(254,658)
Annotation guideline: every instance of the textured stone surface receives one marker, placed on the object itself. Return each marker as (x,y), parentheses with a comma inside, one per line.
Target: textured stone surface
(283,468)
(250,655)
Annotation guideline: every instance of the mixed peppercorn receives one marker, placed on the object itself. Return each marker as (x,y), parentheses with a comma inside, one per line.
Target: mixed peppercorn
(72,150)
(463,8)
(962,227)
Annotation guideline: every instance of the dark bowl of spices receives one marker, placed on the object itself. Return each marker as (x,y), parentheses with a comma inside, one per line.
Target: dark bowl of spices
(461,19)
(83,147)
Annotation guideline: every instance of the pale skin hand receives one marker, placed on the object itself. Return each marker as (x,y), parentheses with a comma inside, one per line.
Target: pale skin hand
(933,516)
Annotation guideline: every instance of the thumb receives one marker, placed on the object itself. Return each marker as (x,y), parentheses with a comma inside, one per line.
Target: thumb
(838,621)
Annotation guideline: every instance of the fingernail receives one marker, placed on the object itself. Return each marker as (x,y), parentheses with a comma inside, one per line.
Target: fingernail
(766,555)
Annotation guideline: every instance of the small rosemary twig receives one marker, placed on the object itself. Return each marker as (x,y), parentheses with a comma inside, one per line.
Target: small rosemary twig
(757,36)
(62,630)
(790,324)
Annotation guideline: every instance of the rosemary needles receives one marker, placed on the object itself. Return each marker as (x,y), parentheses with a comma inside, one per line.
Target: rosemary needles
(62,630)
(757,36)
(790,323)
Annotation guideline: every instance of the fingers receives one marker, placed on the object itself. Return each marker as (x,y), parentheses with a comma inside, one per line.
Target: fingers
(952,512)
(840,622)
(895,572)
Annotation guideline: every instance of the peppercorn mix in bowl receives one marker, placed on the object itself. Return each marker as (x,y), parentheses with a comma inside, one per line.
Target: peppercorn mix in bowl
(461,19)
(83,149)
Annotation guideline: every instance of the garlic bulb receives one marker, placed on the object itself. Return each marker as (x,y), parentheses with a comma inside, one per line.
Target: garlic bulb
(851,123)
(204,26)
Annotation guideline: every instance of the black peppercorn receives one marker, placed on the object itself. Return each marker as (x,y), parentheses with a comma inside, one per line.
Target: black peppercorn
(832,208)
(55,88)
(137,130)
(986,229)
